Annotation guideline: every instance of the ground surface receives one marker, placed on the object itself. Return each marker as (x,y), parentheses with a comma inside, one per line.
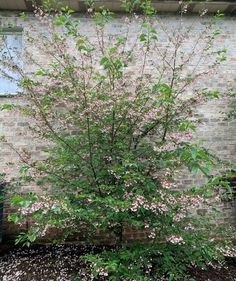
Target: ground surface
(60,263)
(223,274)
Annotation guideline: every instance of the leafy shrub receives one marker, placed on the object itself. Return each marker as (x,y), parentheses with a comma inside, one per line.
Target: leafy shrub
(116,112)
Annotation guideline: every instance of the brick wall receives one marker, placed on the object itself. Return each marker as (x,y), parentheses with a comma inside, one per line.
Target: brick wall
(219,134)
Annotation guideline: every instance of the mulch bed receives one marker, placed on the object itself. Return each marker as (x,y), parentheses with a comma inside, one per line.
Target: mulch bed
(227,273)
(61,263)
(41,262)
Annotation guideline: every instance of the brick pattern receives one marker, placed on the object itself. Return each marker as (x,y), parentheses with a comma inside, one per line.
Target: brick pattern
(218,133)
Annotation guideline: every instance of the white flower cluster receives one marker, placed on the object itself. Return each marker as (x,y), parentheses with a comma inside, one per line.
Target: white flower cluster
(175,239)
(188,203)
(156,207)
(228,251)
(168,184)
(36,206)
(111,172)
(189,227)
(152,235)
(45,205)
(100,270)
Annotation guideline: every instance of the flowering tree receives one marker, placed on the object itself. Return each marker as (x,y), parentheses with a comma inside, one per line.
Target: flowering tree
(116,112)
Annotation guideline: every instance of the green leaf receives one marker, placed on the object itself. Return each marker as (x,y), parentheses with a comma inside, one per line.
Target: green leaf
(205,170)
(143,37)
(23,169)
(32,237)
(165,89)
(41,72)
(14,218)
(80,42)
(25,203)
(6,106)
(194,153)
(23,16)
(16,200)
